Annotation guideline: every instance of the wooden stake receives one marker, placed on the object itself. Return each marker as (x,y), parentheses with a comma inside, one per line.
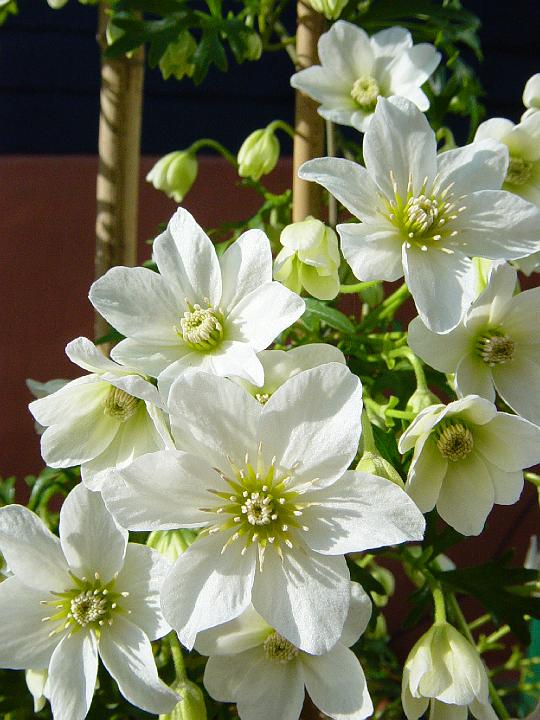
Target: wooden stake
(119,150)
(309,125)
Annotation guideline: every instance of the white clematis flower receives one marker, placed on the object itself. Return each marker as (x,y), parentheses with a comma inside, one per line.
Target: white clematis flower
(71,599)
(198,311)
(101,420)
(269,485)
(445,672)
(493,348)
(281,365)
(423,215)
(357,70)
(255,667)
(523,143)
(531,96)
(467,457)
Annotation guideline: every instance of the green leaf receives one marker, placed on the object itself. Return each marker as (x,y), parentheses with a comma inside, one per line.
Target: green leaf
(209,52)
(365,578)
(329,315)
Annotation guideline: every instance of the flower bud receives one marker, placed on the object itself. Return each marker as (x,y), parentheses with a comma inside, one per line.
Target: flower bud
(254,46)
(259,154)
(171,543)
(443,668)
(176,58)
(375,464)
(191,706)
(174,174)
(420,400)
(309,259)
(531,96)
(331,9)
(56,4)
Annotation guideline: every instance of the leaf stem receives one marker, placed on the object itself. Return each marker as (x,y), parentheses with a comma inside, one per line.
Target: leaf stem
(177,656)
(215,145)
(358,287)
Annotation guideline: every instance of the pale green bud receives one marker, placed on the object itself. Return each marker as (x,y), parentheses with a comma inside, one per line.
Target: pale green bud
(191,706)
(259,154)
(309,259)
(174,174)
(254,46)
(375,464)
(171,543)
(331,9)
(56,4)
(420,400)
(176,58)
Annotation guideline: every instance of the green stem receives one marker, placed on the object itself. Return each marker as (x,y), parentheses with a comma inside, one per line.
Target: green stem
(215,145)
(416,365)
(358,287)
(367,434)
(282,125)
(401,414)
(177,656)
(440,607)
(533,478)
(496,701)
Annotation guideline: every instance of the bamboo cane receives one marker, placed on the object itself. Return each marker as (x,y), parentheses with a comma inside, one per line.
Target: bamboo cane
(119,150)
(309,127)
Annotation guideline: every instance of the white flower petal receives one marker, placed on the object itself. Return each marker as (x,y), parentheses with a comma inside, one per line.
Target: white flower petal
(238,359)
(495,128)
(72,676)
(413,707)
(518,383)
(260,316)
(150,357)
(77,440)
(161,491)
(358,617)
(25,640)
(135,385)
(243,633)
(135,437)
(421,425)
(224,673)
(466,496)
(187,260)
(472,409)
(426,474)
(127,654)
(412,67)
(509,442)
(91,539)
(390,42)
(346,51)
(498,225)
(271,691)
(531,92)
(313,420)
(445,711)
(442,286)
(190,361)
(508,486)
(494,303)
(323,85)
(138,303)
(31,551)
(473,376)
(305,597)
(480,165)
(372,251)
(399,138)
(214,417)
(348,182)
(521,315)
(76,399)
(207,587)
(245,265)
(442,352)
(337,685)
(85,354)
(482,711)
(141,576)
(360,512)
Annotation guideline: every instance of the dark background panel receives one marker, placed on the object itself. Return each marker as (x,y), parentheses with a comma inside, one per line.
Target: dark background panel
(49,82)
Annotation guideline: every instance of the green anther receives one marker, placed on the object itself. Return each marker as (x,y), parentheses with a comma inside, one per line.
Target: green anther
(201,328)
(519,171)
(119,404)
(454,440)
(365,92)
(495,348)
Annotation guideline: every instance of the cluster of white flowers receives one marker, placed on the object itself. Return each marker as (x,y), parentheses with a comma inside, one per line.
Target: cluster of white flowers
(193,423)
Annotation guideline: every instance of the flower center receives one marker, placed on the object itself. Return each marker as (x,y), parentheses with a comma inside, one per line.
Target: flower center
(495,348)
(119,404)
(519,171)
(88,604)
(425,218)
(257,507)
(201,328)
(365,92)
(263,398)
(455,441)
(278,649)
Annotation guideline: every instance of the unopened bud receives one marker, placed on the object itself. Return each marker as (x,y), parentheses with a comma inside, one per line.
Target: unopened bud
(176,60)
(375,464)
(331,9)
(420,400)
(174,174)
(191,706)
(171,543)
(259,154)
